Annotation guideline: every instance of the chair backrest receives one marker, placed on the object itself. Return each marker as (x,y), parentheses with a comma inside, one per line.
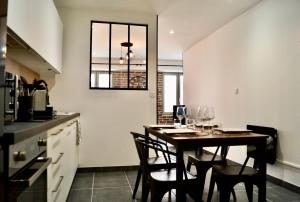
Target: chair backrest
(136,136)
(143,146)
(150,140)
(271,146)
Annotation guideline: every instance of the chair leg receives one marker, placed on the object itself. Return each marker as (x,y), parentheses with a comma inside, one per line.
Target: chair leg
(233,194)
(145,192)
(249,190)
(137,182)
(157,192)
(225,193)
(145,187)
(211,187)
(201,182)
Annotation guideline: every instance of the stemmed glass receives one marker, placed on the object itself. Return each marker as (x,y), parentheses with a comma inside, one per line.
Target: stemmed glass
(190,122)
(210,117)
(201,116)
(180,113)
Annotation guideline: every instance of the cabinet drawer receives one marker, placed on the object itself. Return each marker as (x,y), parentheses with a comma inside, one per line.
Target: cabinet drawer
(55,177)
(55,170)
(55,194)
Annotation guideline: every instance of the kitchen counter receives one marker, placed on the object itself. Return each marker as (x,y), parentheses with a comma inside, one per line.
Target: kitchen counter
(19,131)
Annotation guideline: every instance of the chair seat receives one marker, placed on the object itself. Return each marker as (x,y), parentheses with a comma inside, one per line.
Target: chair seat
(168,176)
(233,170)
(157,163)
(159,160)
(205,156)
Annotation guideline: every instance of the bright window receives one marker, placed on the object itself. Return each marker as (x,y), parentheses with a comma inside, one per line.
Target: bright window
(100,79)
(172,90)
(103,80)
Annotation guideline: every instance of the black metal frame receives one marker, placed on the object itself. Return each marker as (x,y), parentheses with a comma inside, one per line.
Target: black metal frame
(110,63)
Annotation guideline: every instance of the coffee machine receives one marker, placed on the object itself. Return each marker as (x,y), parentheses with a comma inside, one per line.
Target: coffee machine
(33,101)
(40,101)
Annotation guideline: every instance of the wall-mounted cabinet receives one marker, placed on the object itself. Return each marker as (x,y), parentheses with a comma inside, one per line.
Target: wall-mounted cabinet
(38,24)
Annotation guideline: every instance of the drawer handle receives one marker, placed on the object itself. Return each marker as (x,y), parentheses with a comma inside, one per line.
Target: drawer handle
(72,123)
(57,160)
(58,184)
(59,131)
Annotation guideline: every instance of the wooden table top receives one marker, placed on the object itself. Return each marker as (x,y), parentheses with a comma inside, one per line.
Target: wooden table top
(219,138)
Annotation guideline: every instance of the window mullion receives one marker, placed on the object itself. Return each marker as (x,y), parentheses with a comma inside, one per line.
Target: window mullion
(109,60)
(177,89)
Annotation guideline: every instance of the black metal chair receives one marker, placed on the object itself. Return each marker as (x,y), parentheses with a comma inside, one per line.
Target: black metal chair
(153,163)
(271,144)
(162,181)
(203,161)
(228,175)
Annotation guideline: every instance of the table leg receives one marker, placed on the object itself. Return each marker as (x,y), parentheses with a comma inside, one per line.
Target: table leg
(261,148)
(180,195)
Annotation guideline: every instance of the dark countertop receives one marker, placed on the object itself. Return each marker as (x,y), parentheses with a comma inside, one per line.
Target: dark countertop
(19,131)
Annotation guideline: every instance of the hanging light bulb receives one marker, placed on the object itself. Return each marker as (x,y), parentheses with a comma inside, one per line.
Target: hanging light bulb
(131,55)
(121,60)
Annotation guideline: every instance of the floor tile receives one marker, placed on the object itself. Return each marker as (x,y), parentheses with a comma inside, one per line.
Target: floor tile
(110,179)
(131,175)
(122,194)
(83,181)
(113,186)
(280,194)
(83,195)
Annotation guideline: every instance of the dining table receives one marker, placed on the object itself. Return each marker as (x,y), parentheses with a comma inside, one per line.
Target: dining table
(188,141)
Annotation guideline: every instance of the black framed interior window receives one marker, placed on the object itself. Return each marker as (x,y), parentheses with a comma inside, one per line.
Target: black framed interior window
(118,56)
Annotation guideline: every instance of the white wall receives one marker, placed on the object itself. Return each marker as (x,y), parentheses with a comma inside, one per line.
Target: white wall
(107,116)
(258,53)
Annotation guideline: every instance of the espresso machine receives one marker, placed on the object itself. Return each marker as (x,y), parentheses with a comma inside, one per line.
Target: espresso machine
(33,101)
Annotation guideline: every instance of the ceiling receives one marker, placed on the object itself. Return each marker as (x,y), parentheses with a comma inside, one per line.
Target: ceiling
(191,20)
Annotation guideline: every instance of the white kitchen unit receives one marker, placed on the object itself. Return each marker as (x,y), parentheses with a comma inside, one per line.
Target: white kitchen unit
(38,24)
(62,148)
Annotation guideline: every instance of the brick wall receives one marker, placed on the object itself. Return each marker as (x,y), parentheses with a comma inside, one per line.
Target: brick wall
(119,79)
(162,118)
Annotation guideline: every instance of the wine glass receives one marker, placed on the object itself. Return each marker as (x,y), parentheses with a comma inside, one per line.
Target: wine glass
(180,113)
(189,119)
(188,113)
(201,116)
(210,117)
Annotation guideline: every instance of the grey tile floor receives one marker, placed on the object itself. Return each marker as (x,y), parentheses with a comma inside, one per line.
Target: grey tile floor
(117,186)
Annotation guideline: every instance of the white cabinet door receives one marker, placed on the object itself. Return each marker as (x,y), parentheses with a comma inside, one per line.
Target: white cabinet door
(55,175)
(71,156)
(63,149)
(38,24)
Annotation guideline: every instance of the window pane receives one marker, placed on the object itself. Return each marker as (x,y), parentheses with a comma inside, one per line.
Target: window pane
(93,80)
(137,76)
(119,70)
(100,42)
(100,51)
(119,76)
(169,92)
(181,89)
(103,80)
